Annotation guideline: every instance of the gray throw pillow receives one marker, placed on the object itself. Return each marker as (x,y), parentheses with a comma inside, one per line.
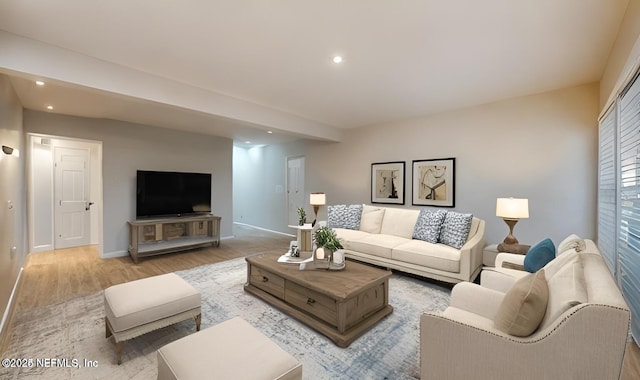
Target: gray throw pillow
(344,216)
(428,225)
(455,229)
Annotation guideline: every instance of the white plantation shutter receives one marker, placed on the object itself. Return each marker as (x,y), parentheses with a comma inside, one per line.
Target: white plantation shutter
(619,195)
(607,195)
(629,202)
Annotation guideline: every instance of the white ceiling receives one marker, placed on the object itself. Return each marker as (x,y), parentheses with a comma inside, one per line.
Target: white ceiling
(402,59)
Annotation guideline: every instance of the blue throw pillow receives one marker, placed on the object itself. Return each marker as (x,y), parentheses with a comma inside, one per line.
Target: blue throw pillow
(539,255)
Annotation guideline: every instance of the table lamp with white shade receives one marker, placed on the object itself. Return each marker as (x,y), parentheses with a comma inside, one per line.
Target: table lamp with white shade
(316,200)
(511,210)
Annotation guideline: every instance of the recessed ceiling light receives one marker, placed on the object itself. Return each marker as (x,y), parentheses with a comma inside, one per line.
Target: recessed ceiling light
(39,83)
(337,59)
(49,107)
(247,142)
(269,132)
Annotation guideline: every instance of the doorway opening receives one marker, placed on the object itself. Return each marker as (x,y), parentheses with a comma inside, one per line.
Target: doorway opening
(295,188)
(64,192)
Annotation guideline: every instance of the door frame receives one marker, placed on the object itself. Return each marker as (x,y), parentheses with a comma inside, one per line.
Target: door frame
(287,180)
(40,189)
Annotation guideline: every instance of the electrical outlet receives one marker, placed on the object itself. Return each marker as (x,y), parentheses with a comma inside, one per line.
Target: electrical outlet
(12,252)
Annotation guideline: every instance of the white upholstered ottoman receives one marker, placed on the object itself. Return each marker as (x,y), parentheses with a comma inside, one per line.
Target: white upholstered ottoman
(137,307)
(232,349)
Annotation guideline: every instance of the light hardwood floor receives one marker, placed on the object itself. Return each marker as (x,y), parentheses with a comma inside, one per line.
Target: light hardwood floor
(56,276)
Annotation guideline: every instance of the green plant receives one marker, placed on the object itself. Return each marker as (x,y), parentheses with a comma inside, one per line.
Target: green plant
(302,216)
(326,237)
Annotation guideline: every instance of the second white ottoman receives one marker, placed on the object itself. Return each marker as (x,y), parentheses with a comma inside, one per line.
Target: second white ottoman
(232,349)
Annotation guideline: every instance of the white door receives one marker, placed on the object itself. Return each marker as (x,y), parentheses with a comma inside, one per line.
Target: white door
(295,188)
(71,197)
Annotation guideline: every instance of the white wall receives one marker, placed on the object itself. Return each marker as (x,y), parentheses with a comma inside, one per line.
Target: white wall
(541,147)
(258,189)
(12,189)
(624,57)
(41,197)
(128,147)
(244,199)
(259,185)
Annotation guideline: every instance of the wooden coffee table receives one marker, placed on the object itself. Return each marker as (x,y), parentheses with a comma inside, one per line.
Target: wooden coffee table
(341,305)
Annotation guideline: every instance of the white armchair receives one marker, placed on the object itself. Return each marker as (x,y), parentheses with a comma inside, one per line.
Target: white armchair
(503,275)
(582,335)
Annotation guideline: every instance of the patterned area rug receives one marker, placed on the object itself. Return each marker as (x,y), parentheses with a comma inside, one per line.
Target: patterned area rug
(66,340)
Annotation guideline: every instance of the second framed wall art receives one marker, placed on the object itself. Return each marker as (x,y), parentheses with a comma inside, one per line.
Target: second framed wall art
(434,182)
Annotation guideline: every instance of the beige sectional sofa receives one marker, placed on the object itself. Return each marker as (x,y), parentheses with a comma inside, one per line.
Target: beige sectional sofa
(408,240)
(580,331)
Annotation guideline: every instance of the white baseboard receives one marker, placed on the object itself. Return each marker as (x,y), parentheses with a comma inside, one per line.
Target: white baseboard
(263,229)
(10,305)
(111,255)
(42,248)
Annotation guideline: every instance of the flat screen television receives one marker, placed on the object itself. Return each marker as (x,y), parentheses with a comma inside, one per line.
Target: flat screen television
(165,194)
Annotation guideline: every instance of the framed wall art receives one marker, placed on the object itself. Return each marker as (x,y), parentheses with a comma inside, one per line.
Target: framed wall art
(387,182)
(434,182)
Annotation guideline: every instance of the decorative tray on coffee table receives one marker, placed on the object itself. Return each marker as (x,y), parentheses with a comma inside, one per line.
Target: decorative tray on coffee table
(321,264)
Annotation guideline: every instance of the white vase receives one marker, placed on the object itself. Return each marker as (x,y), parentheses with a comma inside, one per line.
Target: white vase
(338,257)
(323,253)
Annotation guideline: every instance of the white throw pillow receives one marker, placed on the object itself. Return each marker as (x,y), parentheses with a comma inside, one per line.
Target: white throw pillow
(572,241)
(371,220)
(567,288)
